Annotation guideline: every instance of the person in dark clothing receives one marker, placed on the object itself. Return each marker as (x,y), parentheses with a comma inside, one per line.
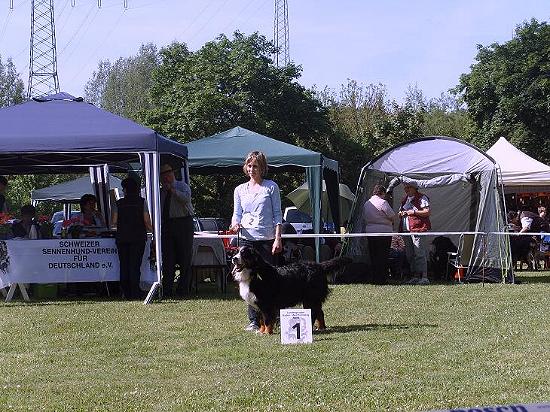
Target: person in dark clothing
(177,232)
(132,221)
(528,221)
(27,227)
(3,185)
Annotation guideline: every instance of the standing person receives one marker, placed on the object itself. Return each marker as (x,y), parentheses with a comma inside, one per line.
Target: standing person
(3,186)
(542,212)
(257,215)
(132,221)
(378,216)
(415,218)
(177,232)
(528,221)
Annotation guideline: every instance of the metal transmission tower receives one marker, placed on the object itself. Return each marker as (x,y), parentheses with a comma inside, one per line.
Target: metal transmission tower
(280,33)
(43,78)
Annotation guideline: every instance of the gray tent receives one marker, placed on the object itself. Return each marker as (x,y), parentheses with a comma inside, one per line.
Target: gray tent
(225,152)
(461,182)
(71,191)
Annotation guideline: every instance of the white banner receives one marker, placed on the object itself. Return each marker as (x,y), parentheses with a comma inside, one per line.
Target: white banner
(64,261)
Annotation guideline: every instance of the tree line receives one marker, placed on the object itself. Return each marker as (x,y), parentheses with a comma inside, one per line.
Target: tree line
(232,81)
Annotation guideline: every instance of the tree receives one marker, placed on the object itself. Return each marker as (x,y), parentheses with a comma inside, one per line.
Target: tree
(123,87)
(11,85)
(233,82)
(507,91)
(230,82)
(445,116)
(355,112)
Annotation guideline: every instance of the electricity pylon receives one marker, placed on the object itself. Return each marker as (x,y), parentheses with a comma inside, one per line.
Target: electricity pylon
(43,78)
(280,33)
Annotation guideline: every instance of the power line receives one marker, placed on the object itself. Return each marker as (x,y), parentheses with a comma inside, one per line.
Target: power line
(209,20)
(113,27)
(78,29)
(239,14)
(196,17)
(8,16)
(89,24)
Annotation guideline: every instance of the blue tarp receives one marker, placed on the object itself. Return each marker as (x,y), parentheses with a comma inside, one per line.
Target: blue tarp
(57,129)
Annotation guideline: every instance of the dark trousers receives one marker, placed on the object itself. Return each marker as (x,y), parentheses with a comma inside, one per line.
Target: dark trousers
(177,249)
(130,255)
(264,249)
(379,249)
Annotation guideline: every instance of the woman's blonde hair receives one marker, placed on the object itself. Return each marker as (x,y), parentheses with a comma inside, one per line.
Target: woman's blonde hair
(260,158)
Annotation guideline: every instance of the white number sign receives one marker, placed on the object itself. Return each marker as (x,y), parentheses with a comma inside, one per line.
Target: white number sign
(296,326)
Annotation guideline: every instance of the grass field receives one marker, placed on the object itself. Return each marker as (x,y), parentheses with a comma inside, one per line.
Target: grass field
(388,348)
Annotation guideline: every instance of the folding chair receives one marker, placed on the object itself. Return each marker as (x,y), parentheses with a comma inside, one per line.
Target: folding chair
(460,259)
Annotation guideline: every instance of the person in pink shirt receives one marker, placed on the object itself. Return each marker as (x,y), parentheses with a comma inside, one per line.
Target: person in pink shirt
(378,217)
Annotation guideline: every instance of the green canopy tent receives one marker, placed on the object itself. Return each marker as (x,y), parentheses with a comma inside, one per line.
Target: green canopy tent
(224,153)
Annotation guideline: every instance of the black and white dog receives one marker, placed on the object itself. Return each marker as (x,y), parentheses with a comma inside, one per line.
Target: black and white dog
(269,289)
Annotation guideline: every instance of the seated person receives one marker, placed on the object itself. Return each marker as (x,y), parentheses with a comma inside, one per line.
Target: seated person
(89,215)
(27,227)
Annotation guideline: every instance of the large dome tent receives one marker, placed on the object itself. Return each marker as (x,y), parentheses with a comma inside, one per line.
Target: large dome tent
(462,184)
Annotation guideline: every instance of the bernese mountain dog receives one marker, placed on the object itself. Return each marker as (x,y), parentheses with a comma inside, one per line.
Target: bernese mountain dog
(269,289)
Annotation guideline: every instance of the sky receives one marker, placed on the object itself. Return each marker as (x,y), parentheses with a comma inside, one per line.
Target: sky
(398,43)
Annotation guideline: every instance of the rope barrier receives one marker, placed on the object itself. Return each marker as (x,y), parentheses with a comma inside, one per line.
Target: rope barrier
(204,235)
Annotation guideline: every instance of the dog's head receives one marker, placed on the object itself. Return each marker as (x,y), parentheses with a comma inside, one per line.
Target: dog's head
(247,257)
(244,261)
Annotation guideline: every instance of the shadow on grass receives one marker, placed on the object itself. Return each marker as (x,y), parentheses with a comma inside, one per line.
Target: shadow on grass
(532,278)
(66,301)
(58,302)
(373,327)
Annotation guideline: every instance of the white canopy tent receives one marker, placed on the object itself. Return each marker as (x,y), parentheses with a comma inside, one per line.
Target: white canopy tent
(520,172)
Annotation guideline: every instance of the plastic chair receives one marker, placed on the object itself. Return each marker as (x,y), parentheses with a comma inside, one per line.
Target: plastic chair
(460,259)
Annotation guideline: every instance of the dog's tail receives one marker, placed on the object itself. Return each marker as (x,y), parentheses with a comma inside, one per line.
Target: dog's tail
(336,263)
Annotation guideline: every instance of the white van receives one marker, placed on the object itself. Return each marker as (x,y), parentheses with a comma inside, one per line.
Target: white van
(299,220)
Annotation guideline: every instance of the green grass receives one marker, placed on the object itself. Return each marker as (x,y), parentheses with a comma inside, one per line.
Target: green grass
(394,348)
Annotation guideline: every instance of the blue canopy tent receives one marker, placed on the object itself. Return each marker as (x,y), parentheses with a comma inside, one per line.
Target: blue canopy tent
(63,134)
(225,152)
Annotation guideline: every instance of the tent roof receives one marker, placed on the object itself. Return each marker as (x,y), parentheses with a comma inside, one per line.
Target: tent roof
(518,169)
(58,129)
(72,190)
(432,155)
(228,150)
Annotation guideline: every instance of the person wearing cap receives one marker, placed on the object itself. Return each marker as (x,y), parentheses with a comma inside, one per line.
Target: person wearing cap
(415,218)
(177,232)
(132,221)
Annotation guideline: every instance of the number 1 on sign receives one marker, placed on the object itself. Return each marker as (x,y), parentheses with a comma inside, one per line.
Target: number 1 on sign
(297,327)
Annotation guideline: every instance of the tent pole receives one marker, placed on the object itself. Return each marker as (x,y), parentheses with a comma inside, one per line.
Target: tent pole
(151,167)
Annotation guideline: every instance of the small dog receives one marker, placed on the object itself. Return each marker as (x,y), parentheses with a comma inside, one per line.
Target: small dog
(269,289)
